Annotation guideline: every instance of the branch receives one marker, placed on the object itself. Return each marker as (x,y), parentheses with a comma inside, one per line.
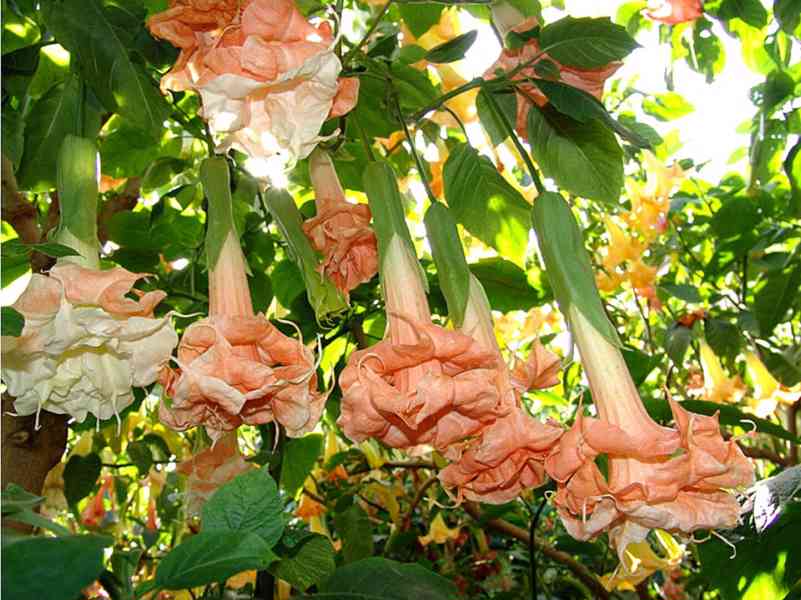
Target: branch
(418,497)
(411,464)
(583,573)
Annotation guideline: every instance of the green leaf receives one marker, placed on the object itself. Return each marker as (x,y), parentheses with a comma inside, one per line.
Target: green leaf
(12,322)
(212,556)
(51,118)
(667,106)
(53,249)
(567,263)
(287,282)
(736,216)
(677,340)
(453,49)
(723,337)
(131,230)
(106,62)
(309,561)
(765,566)
(13,138)
(420,17)
(490,120)
(141,455)
(586,43)
(374,578)
(792,168)
(640,365)
(683,291)
(485,204)
(583,158)
(775,298)
(730,416)
(80,475)
(584,107)
(788,15)
(248,503)
(415,89)
(356,533)
(705,52)
(785,366)
(452,270)
(411,54)
(54,568)
(506,285)
(750,11)
(300,454)
(15,499)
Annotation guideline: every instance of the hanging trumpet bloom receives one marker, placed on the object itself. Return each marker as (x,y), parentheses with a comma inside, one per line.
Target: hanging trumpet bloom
(768,393)
(85,342)
(268,79)
(508,456)
(340,231)
(439,532)
(509,20)
(673,12)
(235,366)
(209,469)
(640,561)
(422,384)
(719,387)
(679,479)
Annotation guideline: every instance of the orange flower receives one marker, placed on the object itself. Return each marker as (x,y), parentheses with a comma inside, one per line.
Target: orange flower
(507,456)
(95,511)
(308,508)
(340,230)
(676,479)
(422,384)
(672,12)
(267,77)
(211,468)
(589,80)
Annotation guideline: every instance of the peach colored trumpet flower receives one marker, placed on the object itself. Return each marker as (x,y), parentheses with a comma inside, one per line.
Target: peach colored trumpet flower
(508,19)
(236,367)
(268,79)
(85,342)
(422,384)
(508,455)
(676,479)
(211,468)
(340,231)
(673,12)
(539,371)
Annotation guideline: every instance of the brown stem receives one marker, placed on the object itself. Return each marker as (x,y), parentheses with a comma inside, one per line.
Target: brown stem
(583,573)
(418,497)
(401,464)
(792,427)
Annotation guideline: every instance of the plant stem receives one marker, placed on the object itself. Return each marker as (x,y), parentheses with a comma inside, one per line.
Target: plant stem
(412,148)
(352,52)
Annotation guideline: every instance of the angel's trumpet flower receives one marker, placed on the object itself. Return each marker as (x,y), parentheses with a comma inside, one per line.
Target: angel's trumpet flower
(268,79)
(211,468)
(508,455)
(86,342)
(235,366)
(677,479)
(640,561)
(673,12)
(509,20)
(340,231)
(422,384)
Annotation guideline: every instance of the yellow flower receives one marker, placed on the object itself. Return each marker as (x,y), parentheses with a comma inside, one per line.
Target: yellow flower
(640,561)
(439,532)
(768,392)
(387,496)
(718,387)
(641,276)
(622,247)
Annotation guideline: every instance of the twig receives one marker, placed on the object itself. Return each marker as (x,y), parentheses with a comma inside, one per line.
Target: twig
(418,497)
(357,329)
(313,496)
(367,35)
(583,573)
(792,426)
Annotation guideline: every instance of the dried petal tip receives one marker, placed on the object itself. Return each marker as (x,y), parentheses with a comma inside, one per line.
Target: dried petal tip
(340,231)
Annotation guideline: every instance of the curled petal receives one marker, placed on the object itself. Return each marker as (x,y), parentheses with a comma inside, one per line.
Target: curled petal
(437,391)
(506,459)
(540,371)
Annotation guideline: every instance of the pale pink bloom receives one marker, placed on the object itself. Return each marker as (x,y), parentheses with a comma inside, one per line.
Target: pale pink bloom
(422,384)
(237,367)
(677,479)
(341,230)
(539,371)
(211,468)
(673,12)
(85,342)
(507,456)
(268,79)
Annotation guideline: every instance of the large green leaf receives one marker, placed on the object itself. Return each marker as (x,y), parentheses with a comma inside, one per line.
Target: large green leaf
(308,561)
(248,503)
(62,111)
(107,62)
(56,568)
(567,262)
(420,17)
(80,475)
(19,30)
(379,578)
(12,322)
(750,11)
(356,533)
(586,43)
(490,120)
(484,202)
(775,298)
(583,158)
(300,454)
(667,106)
(212,556)
(506,285)
(453,49)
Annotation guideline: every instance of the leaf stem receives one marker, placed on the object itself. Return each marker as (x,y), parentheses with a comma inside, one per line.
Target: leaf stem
(410,139)
(352,52)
